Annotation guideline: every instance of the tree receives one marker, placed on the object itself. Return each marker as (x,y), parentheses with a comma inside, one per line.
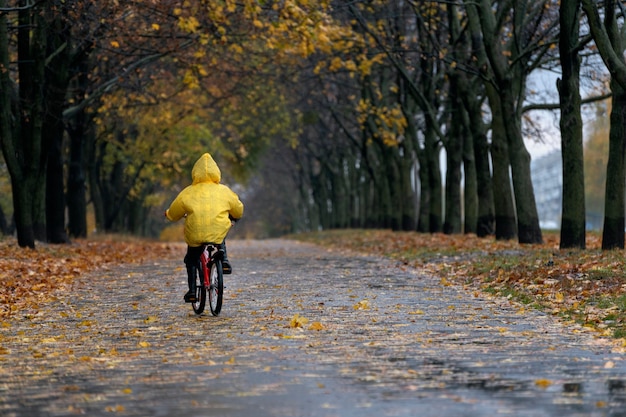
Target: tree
(608,39)
(33,127)
(573,213)
(512,51)
(401,33)
(473,98)
(57,77)
(503,205)
(21,114)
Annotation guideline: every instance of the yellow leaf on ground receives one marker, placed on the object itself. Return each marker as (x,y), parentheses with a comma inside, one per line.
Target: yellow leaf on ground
(117,409)
(298,321)
(543,383)
(316,325)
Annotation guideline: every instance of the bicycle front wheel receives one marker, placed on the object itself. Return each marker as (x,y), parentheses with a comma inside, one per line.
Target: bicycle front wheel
(216,287)
(198,305)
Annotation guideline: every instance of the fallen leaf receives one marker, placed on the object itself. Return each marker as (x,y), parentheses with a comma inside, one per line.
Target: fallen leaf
(316,325)
(543,383)
(298,321)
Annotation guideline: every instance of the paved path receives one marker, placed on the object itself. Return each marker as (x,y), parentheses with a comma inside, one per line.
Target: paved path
(380,341)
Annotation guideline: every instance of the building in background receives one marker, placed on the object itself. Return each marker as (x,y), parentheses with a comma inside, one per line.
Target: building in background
(547,177)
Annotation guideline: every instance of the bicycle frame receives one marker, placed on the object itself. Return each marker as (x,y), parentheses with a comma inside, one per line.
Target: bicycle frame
(211,279)
(205,259)
(209,255)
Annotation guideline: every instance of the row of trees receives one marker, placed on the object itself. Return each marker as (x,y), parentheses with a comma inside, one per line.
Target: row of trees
(420,77)
(110,102)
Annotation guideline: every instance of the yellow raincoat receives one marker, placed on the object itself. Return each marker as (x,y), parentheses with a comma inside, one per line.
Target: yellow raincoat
(206,204)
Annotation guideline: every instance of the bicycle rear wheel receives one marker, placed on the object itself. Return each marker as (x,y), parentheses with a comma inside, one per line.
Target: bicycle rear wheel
(198,305)
(216,287)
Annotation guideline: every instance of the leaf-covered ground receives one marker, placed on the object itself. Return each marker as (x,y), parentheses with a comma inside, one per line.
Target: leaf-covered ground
(304,329)
(583,286)
(29,277)
(587,287)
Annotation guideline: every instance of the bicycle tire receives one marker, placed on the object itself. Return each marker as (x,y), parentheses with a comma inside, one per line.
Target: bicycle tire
(216,287)
(198,305)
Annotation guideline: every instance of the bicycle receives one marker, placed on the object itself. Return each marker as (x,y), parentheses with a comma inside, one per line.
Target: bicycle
(209,276)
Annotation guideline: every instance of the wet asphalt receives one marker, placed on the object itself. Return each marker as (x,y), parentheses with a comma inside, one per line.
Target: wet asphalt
(303,331)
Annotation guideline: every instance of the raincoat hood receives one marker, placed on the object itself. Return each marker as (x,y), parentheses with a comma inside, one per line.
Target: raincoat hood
(206,205)
(205,170)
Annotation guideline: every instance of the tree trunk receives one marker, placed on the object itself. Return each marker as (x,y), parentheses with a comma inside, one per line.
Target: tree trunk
(340,202)
(509,70)
(57,81)
(55,187)
(390,174)
(7,91)
(93,169)
(506,225)
(470,195)
(454,158)
(435,209)
(414,172)
(76,187)
(573,211)
(408,222)
(384,200)
(460,42)
(613,231)
(486,219)
(527,217)
(354,192)
(423,219)
(82,141)
(22,124)
(478,184)
(608,39)
(486,209)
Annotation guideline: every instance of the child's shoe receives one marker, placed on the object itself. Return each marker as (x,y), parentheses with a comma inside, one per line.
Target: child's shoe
(226,267)
(190,297)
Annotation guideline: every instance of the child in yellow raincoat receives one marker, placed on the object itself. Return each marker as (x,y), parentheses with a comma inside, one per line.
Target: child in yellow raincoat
(209,209)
